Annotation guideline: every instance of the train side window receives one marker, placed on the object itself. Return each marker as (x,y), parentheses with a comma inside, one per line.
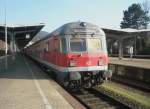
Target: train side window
(63,45)
(47,47)
(57,45)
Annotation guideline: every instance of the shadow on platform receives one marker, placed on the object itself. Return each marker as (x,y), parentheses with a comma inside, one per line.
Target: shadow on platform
(18,69)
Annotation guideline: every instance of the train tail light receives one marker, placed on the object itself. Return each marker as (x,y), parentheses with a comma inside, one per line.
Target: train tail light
(101,62)
(72,63)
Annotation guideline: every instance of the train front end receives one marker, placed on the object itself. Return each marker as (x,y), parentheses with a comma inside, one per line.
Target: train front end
(87,57)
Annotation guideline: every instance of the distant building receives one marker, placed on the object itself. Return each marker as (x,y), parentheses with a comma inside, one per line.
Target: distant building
(2,45)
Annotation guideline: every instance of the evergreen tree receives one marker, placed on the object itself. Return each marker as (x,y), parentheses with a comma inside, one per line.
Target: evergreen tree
(135,17)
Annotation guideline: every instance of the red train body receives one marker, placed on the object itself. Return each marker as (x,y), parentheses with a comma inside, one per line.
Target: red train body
(76,52)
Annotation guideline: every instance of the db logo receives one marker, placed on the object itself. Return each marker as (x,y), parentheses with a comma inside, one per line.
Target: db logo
(88,63)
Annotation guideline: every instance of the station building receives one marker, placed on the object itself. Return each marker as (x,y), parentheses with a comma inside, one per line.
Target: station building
(120,41)
(2,45)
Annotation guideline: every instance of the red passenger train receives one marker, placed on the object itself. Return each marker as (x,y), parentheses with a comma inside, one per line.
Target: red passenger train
(76,52)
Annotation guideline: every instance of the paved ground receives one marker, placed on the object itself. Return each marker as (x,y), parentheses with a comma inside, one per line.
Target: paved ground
(140,63)
(24,86)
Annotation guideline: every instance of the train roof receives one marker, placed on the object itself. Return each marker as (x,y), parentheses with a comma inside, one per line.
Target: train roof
(77,27)
(74,28)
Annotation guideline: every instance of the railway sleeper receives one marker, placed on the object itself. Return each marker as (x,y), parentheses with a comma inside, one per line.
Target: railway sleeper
(91,100)
(99,102)
(103,106)
(85,96)
(107,107)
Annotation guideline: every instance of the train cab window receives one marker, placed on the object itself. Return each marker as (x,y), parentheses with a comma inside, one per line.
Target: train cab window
(94,45)
(63,45)
(77,44)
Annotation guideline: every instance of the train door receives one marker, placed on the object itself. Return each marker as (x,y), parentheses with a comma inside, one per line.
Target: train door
(56,50)
(63,51)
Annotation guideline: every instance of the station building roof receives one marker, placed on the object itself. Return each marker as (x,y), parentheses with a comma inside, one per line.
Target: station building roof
(21,33)
(126,30)
(125,33)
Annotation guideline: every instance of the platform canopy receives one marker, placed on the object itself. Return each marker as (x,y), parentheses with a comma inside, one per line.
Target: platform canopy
(125,39)
(125,33)
(20,34)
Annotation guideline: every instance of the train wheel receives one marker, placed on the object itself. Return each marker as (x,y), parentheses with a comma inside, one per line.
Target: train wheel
(74,84)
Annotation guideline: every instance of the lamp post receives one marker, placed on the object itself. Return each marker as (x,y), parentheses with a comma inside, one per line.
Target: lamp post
(6,47)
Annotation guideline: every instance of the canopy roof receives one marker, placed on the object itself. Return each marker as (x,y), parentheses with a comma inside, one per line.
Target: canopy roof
(126,31)
(21,34)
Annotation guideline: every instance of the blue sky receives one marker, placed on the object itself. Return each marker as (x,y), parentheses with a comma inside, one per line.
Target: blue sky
(54,13)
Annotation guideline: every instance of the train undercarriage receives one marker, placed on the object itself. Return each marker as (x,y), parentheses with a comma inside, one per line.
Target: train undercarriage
(86,80)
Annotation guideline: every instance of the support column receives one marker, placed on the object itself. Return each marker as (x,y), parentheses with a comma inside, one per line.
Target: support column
(135,39)
(140,42)
(14,42)
(11,42)
(120,48)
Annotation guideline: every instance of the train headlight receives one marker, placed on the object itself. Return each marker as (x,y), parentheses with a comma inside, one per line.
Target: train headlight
(101,62)
(72,63)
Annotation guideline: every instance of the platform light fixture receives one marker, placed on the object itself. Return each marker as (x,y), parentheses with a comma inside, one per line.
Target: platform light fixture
(83,24)
(27,36)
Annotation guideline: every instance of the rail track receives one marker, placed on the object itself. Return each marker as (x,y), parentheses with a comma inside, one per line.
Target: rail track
(93,99)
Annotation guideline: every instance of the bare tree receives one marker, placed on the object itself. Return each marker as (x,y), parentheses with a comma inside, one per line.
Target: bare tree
(146,6)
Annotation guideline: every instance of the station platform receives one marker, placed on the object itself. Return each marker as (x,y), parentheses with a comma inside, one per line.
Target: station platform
(139,63)
(24,86)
